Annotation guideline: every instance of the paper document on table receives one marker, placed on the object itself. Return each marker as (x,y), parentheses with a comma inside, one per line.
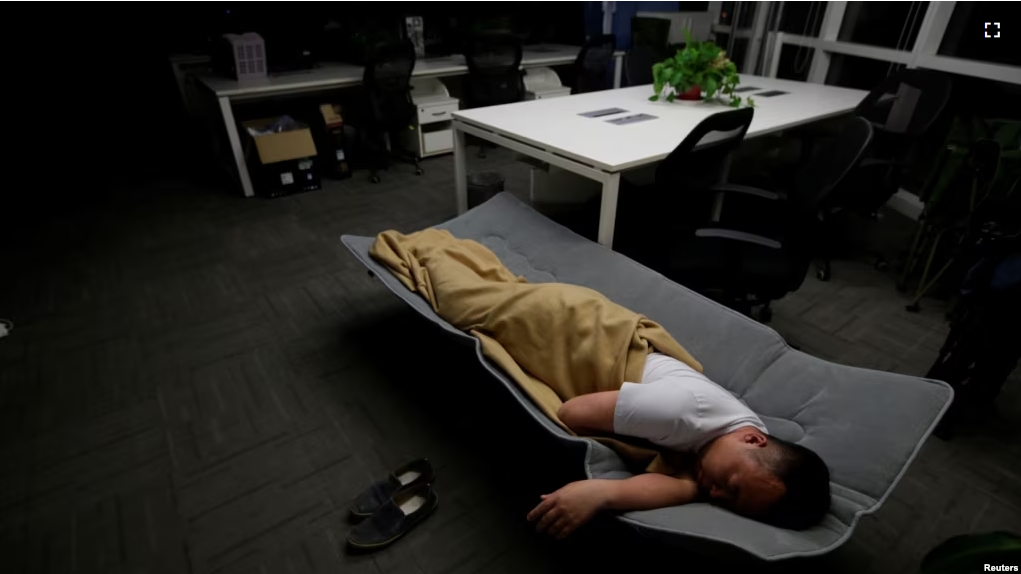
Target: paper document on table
(601,113)
(631,119)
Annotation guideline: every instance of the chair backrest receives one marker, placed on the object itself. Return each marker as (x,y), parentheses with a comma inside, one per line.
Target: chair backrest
(494,70)
(593,62)
(638,64)
(650,32)
(699,24)
(387,82)
(817,187)
(906,103)
(699,161)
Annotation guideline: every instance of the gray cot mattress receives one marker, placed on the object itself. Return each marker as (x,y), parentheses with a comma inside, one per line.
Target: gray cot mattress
(867,425)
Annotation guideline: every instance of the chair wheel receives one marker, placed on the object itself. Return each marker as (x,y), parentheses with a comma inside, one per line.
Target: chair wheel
(822,275)
(419,171)
(374,179)
(913,308)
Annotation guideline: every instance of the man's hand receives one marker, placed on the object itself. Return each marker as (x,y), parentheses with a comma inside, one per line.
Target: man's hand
(563,511)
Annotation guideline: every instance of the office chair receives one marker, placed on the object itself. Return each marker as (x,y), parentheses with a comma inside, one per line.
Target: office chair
(901,110)
(592,63)
(649,217)
(758,244)
(950,221)
(494,72)
(638,64)
(386,107)
(650,32)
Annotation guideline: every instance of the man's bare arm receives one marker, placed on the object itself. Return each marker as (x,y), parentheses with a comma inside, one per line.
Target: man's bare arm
(648,491)
(563,511)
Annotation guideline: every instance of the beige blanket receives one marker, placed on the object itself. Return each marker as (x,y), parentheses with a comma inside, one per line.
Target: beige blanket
(557,341)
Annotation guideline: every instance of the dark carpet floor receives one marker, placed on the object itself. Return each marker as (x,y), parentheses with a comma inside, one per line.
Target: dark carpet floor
(201,383)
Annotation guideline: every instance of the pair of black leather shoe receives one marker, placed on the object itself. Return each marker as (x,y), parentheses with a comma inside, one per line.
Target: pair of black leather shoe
(393,506)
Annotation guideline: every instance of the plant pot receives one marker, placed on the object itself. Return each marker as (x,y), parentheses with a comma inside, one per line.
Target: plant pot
(694,94)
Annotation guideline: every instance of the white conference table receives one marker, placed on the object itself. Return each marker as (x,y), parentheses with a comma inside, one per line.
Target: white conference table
(553,131)
(337,75)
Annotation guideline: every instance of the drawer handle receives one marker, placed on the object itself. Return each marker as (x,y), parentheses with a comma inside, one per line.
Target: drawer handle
(439,113)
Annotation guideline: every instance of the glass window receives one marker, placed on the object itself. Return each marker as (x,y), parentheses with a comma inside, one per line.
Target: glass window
(861,73)
(795,61)
(738,53)
(966,34)
(886,24)
(802,18)
(745,18)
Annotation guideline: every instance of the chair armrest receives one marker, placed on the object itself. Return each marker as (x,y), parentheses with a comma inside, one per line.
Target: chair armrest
(736,235)
(748,190)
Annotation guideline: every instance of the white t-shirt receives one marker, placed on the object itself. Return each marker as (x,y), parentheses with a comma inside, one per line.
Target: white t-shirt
(677,407)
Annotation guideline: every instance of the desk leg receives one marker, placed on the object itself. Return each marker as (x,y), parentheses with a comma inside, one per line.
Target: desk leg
(617,68)
(608,210)
(235,147)
(460,172)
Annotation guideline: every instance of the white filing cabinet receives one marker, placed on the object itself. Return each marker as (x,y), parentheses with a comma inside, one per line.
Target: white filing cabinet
(542,83)
(432,133)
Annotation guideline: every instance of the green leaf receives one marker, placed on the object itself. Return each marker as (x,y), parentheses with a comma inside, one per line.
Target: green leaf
(657,86)
(736,102)
(677,77)
(710,87)
(670,97)
(656,68)
(750,101)
(654,98)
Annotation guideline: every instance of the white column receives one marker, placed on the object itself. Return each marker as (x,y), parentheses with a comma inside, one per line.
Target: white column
(754,48)
(831,21)
(775,49)
(930,33)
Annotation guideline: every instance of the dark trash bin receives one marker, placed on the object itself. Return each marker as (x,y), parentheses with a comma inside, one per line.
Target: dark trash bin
(483,186)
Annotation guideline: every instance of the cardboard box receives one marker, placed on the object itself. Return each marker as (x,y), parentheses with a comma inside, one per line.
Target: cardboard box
(283,162)
(334,156)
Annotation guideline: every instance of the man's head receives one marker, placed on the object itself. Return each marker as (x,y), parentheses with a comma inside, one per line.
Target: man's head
(763,477)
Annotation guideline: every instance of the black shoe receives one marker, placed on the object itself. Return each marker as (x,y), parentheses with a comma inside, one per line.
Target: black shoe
(411,474)
(394,518)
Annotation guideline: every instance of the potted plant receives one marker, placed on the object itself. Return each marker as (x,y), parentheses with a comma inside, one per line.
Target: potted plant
(701,70)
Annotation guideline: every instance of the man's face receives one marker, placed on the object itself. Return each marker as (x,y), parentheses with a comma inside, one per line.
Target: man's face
(731,477)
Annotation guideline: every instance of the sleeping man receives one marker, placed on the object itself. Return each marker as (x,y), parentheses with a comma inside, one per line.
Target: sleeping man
(577,355)
(736,464)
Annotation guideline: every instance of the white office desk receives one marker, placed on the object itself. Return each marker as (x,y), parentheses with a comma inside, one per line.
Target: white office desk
(335,75)
(554,132)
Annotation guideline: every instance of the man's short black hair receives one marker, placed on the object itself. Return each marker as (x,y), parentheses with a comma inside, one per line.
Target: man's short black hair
(807,482)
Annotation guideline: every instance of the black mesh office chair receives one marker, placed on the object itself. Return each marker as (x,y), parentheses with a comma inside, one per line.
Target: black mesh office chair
(494,72)
(592,64)
(758,244)
(638,64)
(386,108)
(901,110)
(651,218)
